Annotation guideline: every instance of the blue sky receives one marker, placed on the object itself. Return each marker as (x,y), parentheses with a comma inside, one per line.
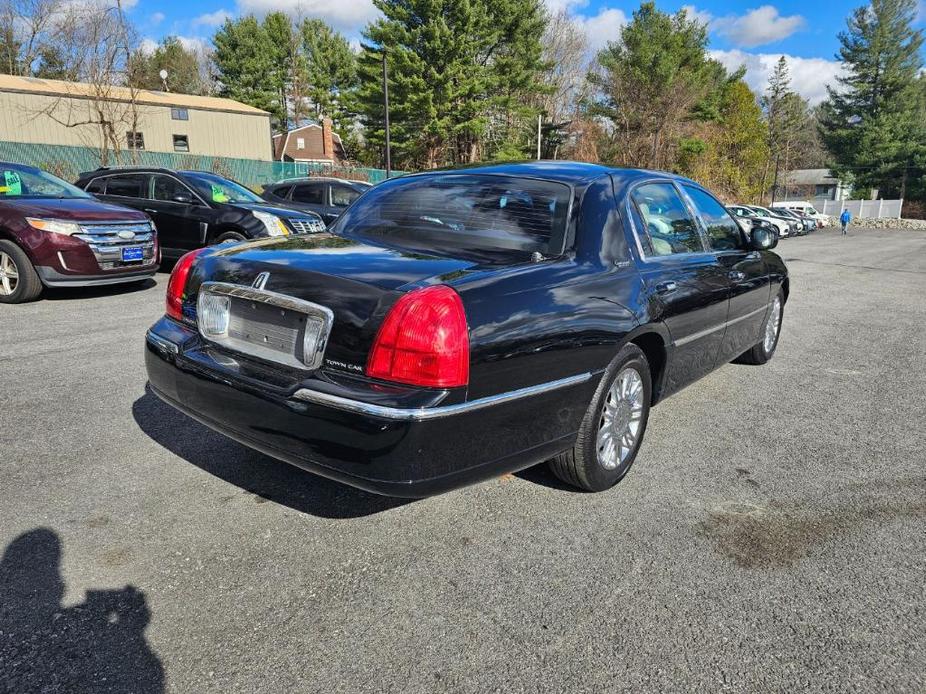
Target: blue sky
(750,34)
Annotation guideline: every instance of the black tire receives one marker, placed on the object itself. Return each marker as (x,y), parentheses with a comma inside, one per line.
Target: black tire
(26,286)
(759,354)
(230,237)
(580,466)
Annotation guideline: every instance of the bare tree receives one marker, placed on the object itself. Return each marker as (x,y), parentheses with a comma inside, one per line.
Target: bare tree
(93,39)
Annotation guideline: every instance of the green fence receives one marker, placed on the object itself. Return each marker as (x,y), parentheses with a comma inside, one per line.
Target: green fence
(68,162)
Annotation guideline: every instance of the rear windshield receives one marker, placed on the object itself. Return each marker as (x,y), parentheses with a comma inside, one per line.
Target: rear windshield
(481,212)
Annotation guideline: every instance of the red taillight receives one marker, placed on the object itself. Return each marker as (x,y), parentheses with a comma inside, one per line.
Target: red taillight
(423,341)
(177,283)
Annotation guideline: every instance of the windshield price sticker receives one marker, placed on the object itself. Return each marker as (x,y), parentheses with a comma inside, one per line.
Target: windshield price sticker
(218,195)
(12,184)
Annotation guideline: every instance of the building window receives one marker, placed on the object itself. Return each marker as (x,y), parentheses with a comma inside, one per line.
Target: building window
(181,143)
(134,140)
(179,114)
(300,143)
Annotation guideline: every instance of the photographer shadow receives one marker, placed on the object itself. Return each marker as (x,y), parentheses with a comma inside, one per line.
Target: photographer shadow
(96,646)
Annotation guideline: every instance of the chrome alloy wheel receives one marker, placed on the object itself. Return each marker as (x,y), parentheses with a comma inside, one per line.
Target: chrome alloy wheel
(9,275)
(771,326)
(621,418)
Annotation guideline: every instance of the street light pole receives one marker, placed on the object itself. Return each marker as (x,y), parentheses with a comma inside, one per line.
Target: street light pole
(386,110)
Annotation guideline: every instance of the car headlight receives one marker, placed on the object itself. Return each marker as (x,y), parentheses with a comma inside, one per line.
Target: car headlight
(273,224)
(54,226)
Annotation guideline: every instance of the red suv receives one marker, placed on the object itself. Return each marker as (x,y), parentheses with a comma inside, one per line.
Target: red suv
(53,234)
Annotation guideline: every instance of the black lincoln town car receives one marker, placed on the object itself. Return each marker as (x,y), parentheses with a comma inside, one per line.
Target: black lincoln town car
(452,326)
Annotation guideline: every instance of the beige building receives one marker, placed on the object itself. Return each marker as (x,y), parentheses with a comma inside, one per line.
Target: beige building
(53,112)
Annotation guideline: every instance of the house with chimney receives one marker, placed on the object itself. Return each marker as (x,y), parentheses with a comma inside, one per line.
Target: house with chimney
(316,143)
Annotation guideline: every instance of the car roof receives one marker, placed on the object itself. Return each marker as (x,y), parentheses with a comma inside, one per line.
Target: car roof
(570,172)
(323,179)
(21,166)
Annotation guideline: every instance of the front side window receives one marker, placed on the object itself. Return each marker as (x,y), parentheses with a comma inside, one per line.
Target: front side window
(134,140)
(723,232)
(181,143)
(169,189)
(97,186)
(217,188)
(466,212)
(128,186)
(342,196)
(310,194)
(670,228)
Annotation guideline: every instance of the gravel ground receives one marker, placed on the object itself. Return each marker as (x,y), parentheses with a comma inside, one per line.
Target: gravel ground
(771,537)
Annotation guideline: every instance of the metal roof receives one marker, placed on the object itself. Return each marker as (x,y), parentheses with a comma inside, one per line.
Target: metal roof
(81,90)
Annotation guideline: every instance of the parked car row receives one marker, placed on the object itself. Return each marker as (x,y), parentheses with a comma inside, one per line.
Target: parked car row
(785,220)
(115,224)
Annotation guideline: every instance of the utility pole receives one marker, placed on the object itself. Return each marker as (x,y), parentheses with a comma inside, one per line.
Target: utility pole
(539,121)
(386,110)
(775,184)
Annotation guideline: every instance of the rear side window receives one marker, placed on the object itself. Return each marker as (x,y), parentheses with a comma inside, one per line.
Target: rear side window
(670,228)
(129,186)
(723,232)
(465,211)
(311,194)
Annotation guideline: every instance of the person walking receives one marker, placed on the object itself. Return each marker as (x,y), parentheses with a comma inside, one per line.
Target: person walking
(844,219)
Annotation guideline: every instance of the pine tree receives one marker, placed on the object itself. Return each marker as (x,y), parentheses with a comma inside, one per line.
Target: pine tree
(245,63)
(458,72)
(183,68)
(872,123)
(788,116)
(653,81)
(330,71)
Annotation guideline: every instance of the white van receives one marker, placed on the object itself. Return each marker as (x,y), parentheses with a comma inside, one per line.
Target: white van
(804,208)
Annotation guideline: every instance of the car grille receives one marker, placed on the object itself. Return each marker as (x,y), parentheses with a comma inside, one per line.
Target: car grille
(306,226)
(107,240)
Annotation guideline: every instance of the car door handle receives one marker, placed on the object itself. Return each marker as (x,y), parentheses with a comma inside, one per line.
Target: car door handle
(666,287)
(736,275)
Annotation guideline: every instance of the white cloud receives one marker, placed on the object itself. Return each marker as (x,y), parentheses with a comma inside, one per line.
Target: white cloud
(349,16)
(148,46)
(809,76)
(757,27)
(156,18)
(602,28)
(702,16)
(194,44)
(212,19)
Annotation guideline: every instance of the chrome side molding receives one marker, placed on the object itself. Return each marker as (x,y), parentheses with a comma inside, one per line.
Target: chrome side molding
(426,413)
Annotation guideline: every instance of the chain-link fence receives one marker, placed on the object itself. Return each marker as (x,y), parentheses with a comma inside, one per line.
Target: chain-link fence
(68,162)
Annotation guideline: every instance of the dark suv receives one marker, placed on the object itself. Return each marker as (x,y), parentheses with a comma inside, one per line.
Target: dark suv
(53,234)
(328,197)
(193,209)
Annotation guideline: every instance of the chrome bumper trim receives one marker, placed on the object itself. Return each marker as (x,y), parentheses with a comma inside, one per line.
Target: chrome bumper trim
(162,345)
(426,413)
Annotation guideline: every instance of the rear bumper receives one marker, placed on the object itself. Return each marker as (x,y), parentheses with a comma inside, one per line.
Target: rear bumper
(392,449)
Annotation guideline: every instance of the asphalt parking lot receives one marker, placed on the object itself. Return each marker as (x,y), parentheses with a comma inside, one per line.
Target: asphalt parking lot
(771,536)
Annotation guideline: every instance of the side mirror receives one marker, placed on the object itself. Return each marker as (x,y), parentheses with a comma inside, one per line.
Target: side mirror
(762,238)
(183,197)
